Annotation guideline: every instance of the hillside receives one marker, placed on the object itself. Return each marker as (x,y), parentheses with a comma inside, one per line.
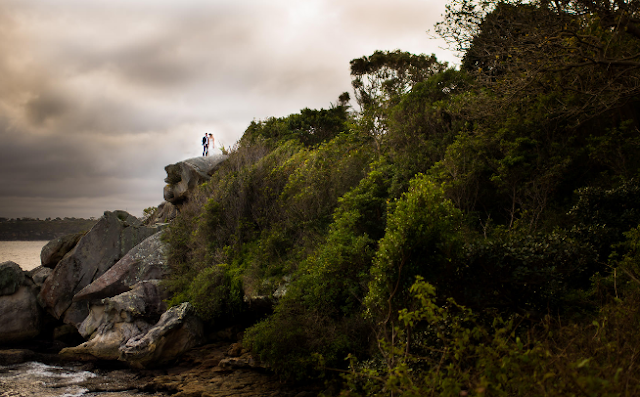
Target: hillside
(453,231)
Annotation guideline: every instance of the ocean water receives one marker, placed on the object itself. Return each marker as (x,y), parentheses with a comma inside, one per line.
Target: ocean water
(34,379)
(24,253)
(37,379)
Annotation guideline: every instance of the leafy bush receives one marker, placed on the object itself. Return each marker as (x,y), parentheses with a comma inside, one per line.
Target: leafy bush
(603,215)
(524,272)
(212,228)
(309,127)
(501,359)
(422,237)
(318,322)
(216,293)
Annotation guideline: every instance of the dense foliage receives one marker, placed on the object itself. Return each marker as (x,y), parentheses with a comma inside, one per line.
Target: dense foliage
(463,232)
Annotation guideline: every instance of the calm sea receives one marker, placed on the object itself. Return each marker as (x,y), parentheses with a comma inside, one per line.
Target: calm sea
(24,253)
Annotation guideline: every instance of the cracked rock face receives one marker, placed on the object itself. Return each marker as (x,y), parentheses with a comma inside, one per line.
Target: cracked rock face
(56,249)
(183,177)
(116,320)
(96,252)
(124,328)
(143,302)
(145,261)
(20,314)
(178,330)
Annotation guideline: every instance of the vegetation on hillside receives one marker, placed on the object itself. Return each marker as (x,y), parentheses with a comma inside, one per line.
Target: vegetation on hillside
(470,231)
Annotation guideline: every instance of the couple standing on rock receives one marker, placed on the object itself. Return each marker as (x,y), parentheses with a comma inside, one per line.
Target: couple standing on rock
(207,140)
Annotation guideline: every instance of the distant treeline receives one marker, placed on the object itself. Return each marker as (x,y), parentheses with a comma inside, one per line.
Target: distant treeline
(38,229)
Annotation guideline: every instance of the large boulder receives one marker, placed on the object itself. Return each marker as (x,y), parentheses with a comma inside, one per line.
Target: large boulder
(123,328)
(145,261)
(96,252)
(145,301)
(105,345)
(39,275)
(116,320)
(56,249)
(11,277)
(166,213)
(184,176)
(178,330)
(20,314)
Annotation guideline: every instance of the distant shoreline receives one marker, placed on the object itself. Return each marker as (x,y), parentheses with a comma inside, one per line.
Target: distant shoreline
(28,229)
(29,239)
(26,241)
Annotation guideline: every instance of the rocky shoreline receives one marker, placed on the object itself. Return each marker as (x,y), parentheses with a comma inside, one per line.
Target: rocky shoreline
(98,299)
(216,369)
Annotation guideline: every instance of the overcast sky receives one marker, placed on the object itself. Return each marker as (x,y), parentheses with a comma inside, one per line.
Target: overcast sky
(97,96)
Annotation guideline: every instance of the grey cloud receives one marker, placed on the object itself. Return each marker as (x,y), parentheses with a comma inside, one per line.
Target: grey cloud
(46,107)
(97,97)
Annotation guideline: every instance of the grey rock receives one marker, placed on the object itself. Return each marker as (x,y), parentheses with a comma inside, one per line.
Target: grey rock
(116,320)
(145,261)
(39,275)
(178,330)
(56,249)
(20,315)
(94,320)
(105,345)
(11,277)
(144,301)
(184,176)
(76,313)
(246,361)
(166,213)
(96,252)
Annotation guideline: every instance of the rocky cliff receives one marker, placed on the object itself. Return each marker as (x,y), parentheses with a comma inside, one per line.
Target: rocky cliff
(105,286)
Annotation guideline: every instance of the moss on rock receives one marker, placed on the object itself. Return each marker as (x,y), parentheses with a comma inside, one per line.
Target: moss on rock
(11,278)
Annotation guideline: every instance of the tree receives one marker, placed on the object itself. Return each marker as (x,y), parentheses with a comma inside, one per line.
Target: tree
(586,53)
(552,79)
(381,79)
(309,127)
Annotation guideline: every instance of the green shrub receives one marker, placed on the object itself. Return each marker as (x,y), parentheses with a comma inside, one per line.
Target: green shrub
(501,359)
(602,216)
(320,316)
(309,127)
(422,237)
(524,272)
(299,344)
(216,293)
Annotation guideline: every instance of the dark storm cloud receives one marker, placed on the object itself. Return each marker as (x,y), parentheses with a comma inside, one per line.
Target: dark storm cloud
(98,96)
(46,107)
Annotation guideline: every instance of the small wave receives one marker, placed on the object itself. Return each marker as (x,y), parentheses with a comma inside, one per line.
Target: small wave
(77,393)
(44,371)
(35,379)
